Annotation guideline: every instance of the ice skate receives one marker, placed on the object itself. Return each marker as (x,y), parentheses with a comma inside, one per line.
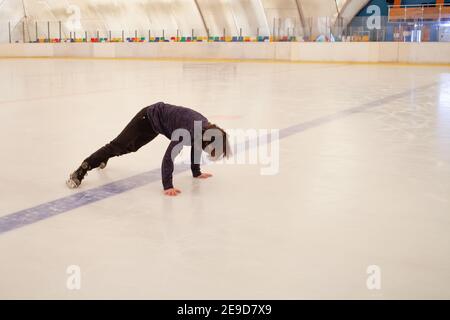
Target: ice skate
(77,176)
(103,165)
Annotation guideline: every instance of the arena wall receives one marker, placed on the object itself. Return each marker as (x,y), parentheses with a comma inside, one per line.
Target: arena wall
(362,52)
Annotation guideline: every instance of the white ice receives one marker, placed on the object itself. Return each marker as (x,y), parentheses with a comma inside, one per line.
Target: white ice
(366,188)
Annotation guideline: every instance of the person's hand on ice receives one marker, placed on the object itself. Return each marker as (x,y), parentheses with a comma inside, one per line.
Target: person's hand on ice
(204,176)
(172,192)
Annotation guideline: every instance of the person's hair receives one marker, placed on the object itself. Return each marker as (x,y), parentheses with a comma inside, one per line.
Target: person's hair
(226,150)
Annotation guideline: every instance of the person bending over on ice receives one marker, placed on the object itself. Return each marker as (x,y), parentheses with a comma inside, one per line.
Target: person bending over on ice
(183,126)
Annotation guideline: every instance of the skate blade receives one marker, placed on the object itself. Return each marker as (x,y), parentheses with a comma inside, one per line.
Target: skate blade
(71,184)
(102,166)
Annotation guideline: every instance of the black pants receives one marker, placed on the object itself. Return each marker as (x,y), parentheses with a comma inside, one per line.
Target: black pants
(136,134)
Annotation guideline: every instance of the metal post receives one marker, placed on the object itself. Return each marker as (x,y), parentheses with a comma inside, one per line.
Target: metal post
(98,36)
(86,36)
(163,35)
(36,30)
(439,24)
(328,29)
(74,36)
(9,31)
(48,31)
(123,35)
(135,34)
(23,31)
(279,27)
(192,34)
(273,32)
(310,24)
(207,33)
(240,32)
(257,33)
(148,35)
(178,35)
(60,31)
(110,35)
(224,34)
(70,36)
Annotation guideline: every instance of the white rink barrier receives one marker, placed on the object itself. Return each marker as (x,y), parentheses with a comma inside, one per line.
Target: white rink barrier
(370,52)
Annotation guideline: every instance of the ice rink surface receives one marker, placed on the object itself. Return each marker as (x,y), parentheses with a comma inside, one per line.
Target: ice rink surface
(364,179)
